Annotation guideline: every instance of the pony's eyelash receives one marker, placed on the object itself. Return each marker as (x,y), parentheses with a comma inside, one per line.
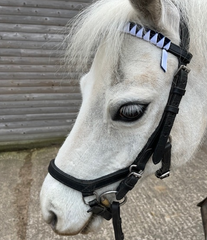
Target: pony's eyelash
(130,112)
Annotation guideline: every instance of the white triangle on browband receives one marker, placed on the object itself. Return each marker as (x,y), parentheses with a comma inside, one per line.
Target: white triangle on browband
(164,60)
(153,40)
(160,44)
(140,33)
(147,36)
(127,27)
(167,46)
(133,30)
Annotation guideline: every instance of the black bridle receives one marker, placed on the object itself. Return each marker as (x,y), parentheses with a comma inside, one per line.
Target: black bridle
(158,145)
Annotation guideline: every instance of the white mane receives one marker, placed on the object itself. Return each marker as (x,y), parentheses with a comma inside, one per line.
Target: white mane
(89,30)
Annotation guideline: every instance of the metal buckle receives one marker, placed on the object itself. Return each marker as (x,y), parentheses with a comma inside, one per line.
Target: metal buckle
(185,68)
(91,198)
(164,175)
(107,202)
(136,174)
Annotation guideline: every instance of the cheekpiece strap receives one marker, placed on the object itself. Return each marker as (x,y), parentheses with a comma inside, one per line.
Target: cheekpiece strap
(171,110)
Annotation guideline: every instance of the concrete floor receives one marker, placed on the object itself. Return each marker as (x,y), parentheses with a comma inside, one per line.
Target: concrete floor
(156,210)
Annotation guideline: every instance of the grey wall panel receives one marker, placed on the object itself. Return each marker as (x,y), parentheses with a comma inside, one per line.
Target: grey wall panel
(39,101)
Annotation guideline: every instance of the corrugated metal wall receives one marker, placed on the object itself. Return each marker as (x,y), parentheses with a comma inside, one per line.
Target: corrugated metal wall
(38,100)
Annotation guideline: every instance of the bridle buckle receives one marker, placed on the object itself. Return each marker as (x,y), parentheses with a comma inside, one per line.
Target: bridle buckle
(182,67)
(135,173)
(107,202)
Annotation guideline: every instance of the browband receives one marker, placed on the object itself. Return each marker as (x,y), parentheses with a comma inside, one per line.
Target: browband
(159,40)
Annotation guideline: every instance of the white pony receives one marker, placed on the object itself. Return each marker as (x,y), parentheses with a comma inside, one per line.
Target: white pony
(125,71)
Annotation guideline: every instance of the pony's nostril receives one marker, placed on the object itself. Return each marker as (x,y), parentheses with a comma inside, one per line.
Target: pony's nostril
(53,220)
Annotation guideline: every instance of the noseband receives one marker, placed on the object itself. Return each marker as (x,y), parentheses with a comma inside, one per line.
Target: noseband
(158,145)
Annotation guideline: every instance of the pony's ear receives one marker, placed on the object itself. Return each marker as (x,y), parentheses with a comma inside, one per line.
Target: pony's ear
(159,13)
(149,9)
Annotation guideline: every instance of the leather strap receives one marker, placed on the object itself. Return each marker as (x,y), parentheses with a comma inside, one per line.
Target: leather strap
(86,187)
(98,209)
(164,171)
(116,220)
(126,185)
(180,53)
(172,108)
(107,213)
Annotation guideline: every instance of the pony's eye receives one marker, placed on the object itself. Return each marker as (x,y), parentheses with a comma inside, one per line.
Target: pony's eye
(130,112)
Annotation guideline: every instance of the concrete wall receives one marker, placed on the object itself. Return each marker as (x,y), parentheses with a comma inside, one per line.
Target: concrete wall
(38,99)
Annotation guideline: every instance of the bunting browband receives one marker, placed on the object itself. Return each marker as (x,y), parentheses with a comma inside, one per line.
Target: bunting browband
(160,41)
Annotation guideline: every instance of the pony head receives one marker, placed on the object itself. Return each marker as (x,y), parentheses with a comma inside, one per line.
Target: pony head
(123,97)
